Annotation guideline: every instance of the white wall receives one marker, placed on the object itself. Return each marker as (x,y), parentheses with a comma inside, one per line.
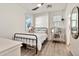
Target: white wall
(74,44)
(11,20)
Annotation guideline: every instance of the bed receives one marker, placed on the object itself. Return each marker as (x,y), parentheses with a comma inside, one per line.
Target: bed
(33,39)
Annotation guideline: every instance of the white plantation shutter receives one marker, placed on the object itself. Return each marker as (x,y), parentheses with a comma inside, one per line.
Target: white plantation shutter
(41,21)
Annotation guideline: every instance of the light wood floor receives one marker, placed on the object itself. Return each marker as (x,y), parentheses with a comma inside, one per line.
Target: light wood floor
(49,49)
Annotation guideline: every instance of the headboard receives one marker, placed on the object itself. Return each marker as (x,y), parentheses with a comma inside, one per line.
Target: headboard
(40,29)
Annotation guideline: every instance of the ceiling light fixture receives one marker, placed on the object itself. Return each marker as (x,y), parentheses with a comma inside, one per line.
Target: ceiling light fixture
(39,5)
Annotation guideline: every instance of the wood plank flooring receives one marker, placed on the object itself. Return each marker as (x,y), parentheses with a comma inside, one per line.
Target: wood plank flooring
(49,49)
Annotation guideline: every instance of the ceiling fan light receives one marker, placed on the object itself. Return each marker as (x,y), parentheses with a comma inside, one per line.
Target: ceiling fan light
(39,5)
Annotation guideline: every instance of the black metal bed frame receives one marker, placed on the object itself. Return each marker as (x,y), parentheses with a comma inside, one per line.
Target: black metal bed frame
(27,38)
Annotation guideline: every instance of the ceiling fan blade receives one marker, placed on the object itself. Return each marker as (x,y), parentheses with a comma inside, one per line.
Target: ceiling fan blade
(35,8)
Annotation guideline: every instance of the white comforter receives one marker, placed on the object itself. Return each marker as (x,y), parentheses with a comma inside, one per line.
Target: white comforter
(41,37)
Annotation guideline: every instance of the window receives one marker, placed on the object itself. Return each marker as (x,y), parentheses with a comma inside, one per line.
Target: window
(41,21)
(74,22)
(28,22)
(57,23)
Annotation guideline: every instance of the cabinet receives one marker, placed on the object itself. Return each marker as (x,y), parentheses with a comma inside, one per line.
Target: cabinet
(9,47)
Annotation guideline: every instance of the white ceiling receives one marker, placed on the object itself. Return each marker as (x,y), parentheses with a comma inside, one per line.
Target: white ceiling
(55,7)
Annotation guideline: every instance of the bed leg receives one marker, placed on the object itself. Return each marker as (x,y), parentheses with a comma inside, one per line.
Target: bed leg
(26,46)
(36,50)
(36,47)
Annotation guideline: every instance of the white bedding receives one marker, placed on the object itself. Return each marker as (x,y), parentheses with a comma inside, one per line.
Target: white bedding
(41,37)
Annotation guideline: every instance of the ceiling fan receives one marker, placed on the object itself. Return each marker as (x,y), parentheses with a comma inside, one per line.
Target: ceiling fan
(38,6)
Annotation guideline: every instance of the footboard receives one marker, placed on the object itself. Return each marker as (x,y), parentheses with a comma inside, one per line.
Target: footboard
(30,37)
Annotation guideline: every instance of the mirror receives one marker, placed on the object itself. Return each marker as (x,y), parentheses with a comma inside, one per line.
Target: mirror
(74,22)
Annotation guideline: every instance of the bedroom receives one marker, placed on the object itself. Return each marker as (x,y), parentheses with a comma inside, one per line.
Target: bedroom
(25,26)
